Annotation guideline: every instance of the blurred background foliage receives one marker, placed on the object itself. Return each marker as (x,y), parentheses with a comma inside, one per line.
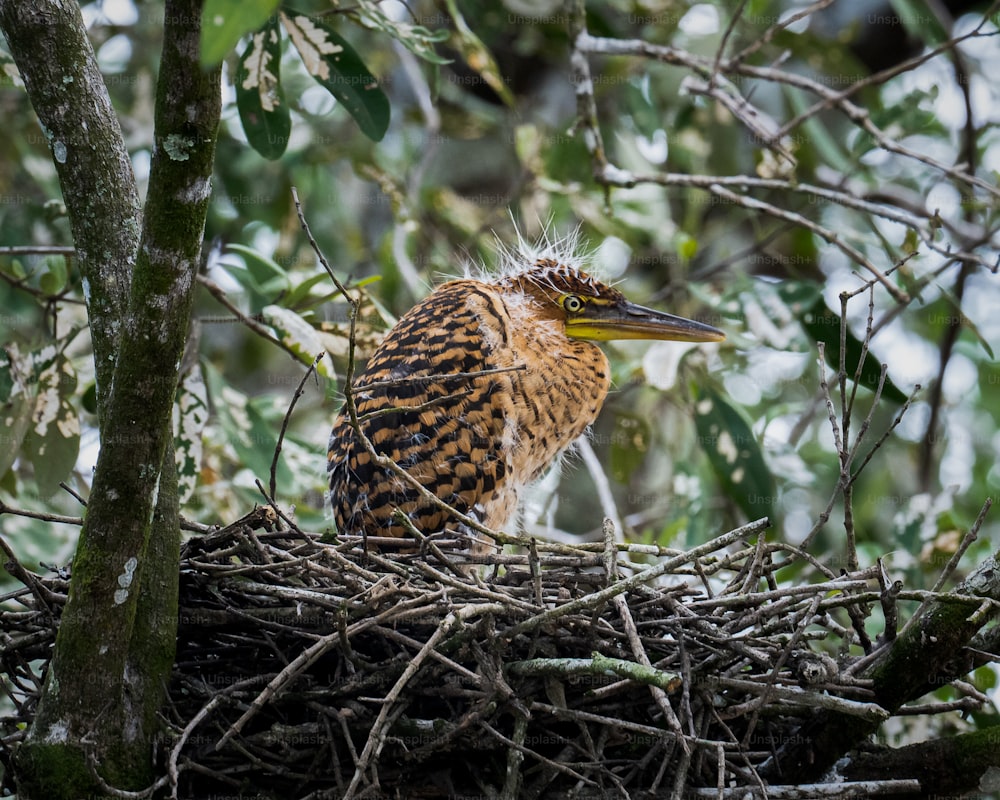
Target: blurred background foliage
(483,143)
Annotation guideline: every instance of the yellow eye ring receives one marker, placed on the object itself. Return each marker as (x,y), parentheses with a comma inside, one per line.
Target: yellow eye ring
(572,304)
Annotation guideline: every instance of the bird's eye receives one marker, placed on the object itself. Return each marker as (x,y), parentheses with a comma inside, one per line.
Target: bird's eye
(572,304)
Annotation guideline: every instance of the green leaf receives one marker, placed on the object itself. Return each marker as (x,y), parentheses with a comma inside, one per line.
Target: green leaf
(416,38)
(984,679)
(300,296)
(16,404)
(190,418)
(249,430)
(800,296)
(263,277)
(53,278)
(88,400)
(914,113)
(735,455)
(223,22)
(52,443)
(477,55)
(687,246)
(647,118)
(339,69)
(948,296)
(298,336)
(824,326)
(919,22)
(629,444)
(15,269)
(260,99)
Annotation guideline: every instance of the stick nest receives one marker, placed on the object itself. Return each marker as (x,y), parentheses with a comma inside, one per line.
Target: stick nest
(310,670)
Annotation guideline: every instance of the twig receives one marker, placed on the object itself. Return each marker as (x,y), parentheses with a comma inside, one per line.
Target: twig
(805,699)
(41,515)
(952,564)
(251,323)
(967,540)
(72,493)
(846,790)
(296,667)
(173,773)
(514,746)
(658,692)
(43,595)
(37,250)
(377,737)
(639,578)
(600,479)
(284,423)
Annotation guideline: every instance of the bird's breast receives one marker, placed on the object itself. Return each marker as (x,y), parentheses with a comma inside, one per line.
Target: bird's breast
(554,396)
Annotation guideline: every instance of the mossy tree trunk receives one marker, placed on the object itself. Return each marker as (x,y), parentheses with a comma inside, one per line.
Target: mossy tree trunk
(930,652)
(115,646)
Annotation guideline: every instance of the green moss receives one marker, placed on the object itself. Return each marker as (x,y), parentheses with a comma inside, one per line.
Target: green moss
(57,770)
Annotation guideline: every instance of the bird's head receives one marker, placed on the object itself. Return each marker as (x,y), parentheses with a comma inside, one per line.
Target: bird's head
(594,311)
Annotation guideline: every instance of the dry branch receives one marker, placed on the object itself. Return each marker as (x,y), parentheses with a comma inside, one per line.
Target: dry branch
(308,668)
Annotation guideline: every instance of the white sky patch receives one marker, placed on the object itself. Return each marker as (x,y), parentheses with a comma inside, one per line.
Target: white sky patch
(661,361)
(701,20)
(911,359)
(790,466)
(960,378)
(767,369)
(914,423)
(113,56)
(90,447)
(944,197)
(744,387)
(612,257)
(655,149)
(798,522)
(317,100)
(980,303)
(110,12)
(141,160)
(799,26)
(958,456)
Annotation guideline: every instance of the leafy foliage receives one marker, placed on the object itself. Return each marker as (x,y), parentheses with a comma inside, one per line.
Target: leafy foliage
(36,392)
(326,56)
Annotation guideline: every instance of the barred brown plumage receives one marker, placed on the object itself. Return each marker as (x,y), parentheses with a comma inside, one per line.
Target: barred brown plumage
(475,440)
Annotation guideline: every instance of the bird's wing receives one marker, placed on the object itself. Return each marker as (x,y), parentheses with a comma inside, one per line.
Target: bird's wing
(421,402)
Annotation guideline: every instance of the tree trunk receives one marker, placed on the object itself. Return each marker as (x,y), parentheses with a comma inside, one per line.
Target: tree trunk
(115,646)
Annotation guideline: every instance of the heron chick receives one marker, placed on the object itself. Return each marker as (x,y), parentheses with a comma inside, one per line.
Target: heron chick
(478,389)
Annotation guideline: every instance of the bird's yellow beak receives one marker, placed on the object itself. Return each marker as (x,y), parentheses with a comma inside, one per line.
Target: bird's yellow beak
(625,320)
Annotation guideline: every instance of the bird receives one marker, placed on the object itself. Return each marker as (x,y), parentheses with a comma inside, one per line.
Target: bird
(478,389)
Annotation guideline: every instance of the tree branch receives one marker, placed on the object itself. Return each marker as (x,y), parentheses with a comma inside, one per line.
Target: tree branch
(920,658)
